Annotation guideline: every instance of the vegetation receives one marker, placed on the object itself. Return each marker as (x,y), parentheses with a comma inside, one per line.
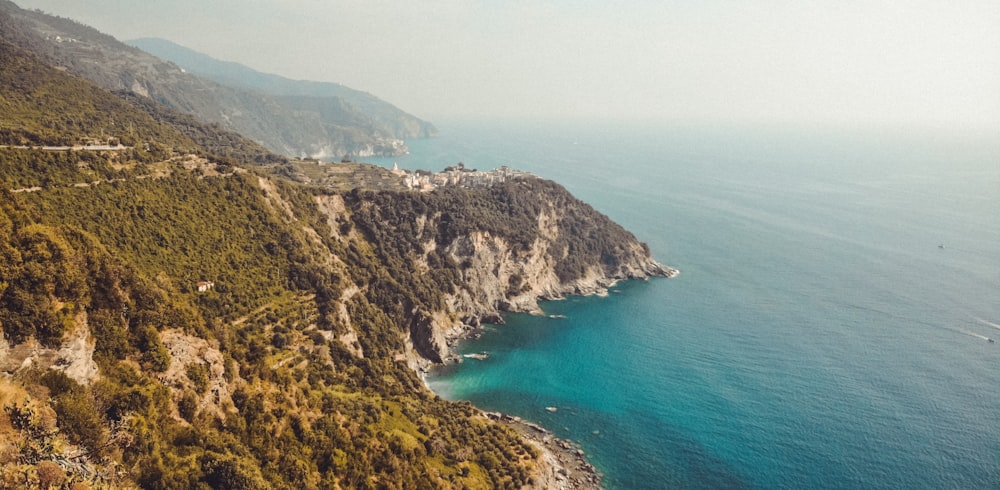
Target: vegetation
(41,106)
(224,145)
(304,411)
(509,210)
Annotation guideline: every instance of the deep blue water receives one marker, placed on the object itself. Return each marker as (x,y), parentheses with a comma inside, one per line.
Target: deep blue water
(828,327)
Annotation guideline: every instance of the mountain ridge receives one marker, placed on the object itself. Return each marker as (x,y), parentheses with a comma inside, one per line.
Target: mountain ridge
(264,118)
(238,75)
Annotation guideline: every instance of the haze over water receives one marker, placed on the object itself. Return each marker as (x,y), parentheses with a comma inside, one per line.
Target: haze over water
(828,329)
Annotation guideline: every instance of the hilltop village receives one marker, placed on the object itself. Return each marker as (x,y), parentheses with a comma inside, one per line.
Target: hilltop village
(457,176)
(347,175)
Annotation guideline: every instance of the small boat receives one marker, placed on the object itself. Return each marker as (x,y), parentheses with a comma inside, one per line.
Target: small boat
(990,340)
(552,409)
(479,356)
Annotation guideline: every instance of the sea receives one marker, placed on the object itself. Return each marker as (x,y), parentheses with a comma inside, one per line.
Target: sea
(830,327)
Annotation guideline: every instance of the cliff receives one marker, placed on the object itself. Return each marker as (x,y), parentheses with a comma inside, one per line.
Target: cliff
(507,245)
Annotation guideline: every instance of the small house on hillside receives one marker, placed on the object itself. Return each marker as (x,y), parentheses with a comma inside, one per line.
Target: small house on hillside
(205,286)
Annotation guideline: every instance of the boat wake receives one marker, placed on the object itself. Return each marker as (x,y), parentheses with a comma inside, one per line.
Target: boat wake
(987,322)
(972,334)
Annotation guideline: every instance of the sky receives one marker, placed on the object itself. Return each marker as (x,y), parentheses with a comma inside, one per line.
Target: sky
(925,63)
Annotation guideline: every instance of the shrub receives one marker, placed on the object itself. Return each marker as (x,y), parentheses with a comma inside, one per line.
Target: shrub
(187,406)
(198,374)
(58,383)
(78,419)
(50,474)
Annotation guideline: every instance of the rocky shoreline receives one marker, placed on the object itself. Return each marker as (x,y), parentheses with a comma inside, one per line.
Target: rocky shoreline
(471,327)
(564,463)
(566,466)
(500,278)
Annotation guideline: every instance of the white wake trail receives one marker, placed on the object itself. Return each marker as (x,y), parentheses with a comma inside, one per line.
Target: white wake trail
(970,334)
(987,322)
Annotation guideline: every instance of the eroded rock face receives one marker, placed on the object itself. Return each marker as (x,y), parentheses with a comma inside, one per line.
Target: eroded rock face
(458,256)
(186,350)
(74,356)
(499,278)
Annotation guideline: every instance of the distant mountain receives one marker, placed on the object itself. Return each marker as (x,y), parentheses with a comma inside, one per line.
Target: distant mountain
(43,106)
(296,93)
(294,125)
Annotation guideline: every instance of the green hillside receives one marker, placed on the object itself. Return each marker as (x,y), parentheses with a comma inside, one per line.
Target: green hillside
(115,241)
(42,106)
(176,313)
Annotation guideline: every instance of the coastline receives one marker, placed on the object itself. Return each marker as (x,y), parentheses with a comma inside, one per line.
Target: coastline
(473,330)
(564,464)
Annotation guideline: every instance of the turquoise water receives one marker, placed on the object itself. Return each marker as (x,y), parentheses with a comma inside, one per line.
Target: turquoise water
(828,329)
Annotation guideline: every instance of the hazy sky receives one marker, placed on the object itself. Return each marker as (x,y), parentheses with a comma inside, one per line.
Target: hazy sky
(934,62)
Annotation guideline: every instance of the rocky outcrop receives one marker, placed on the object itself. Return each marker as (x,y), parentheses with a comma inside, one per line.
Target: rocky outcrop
(502,248)
(213,391)
(74,356)
(498,277)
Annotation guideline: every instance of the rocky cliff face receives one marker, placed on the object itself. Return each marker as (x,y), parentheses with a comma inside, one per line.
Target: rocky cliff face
(518,243)
(498,277)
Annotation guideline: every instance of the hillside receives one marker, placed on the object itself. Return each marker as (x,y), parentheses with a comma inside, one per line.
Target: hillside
(320,126)
(173,318)
(282,374)
(293,365)
(41,106)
